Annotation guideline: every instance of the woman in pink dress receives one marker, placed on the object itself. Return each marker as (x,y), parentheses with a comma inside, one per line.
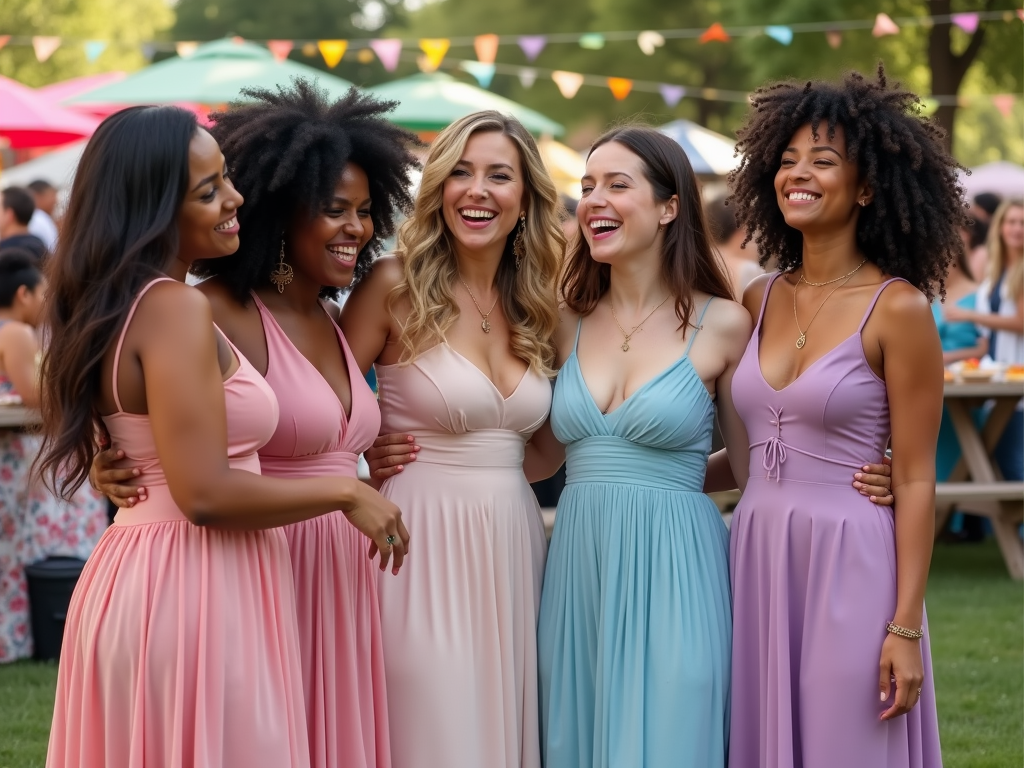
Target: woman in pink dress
(180,647)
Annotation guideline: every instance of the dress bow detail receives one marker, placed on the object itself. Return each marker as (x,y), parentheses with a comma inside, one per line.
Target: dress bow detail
(774,449)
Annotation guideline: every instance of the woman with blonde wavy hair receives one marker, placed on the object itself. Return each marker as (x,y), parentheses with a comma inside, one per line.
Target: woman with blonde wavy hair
(459,325)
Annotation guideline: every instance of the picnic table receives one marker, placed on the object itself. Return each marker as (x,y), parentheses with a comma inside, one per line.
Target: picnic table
(976,484)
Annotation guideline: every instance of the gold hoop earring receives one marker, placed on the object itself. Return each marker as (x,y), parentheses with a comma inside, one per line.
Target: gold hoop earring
(284,273)
(518,245)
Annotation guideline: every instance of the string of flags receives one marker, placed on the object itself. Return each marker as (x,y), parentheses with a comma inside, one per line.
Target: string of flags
(430,53)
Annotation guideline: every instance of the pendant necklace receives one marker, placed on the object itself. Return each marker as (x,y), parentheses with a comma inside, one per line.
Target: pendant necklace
(802,340)
(627,336)
(485,323)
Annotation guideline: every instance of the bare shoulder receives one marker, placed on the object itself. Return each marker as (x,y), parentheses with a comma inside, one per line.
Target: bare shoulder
(728,319)
(17,332)
(565,333)
(384,275)
(753,294)
(174,307)
(902,301)
(222,300)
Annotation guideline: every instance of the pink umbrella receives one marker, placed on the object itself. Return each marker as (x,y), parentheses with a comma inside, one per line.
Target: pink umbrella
(28,120)
(55,93)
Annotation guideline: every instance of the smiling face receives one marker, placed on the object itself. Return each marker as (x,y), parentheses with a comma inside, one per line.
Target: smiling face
(484,196)
(618,212)
(324,248)
(816,186)
(207,225)
(1012,229)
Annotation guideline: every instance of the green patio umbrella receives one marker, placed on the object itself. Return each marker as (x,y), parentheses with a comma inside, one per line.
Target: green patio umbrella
(215,74)
(429,102)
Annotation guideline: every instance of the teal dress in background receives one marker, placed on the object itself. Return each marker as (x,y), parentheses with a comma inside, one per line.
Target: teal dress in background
(635,623)
(954,336)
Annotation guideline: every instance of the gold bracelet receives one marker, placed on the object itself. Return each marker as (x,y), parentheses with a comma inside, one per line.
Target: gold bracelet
(910,634)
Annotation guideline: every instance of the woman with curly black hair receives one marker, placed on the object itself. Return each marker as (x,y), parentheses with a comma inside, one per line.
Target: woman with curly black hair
(856,197)
(324,181)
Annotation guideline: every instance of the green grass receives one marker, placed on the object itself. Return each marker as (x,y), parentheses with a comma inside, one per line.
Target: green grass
(976,615)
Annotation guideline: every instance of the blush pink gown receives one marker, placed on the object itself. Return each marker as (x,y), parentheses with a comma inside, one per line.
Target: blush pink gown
(180,648)
(460,621)
(335,581)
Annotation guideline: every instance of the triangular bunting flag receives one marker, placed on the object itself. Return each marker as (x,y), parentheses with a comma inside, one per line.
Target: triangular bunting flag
(532,45)
(94,49)
(527,77)
(672,94)
(1020,14)
(4,39)
(45,46)
(483,73)
(968,22)
(568,82)
(620,87)
(185,49)
(388,51)
(779,34)
(332,51)
(364,56)
(592,41)
(715,33)
(1004,103)
(649,41)
(884,26)
(434,48)
(834,37)
(280,48)
(486,47)
(309,50)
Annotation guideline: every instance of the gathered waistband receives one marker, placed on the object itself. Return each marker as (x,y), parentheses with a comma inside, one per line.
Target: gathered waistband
(334,463)
(606,459)
(479,448)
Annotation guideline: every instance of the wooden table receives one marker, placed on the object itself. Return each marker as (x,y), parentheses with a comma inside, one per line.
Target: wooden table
(18,416)
(976,484)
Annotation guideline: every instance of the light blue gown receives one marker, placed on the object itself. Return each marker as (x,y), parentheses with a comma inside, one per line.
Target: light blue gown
(635,619)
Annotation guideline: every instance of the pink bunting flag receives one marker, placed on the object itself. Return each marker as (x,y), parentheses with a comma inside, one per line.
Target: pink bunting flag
(1004,103)
(388,51)
(885,26)
(835,38)
(1020,14)
(45,46)
(532,45)
(280,48)
(486,47)
(568,82)
(968,22)
(672,94)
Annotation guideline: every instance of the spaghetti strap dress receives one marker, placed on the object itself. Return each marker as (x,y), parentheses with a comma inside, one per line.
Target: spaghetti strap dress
(814,574)
(335,581)
(460,620)
(180,647)
(635,621)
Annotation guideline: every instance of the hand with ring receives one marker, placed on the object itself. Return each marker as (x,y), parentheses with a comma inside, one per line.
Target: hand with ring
(381,522)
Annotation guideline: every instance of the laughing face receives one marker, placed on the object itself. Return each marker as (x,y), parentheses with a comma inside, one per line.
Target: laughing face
(483,197)
(207,224)
(816,186)
(324,248)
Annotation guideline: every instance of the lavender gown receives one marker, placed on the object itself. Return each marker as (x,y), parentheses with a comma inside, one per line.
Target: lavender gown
(814,575)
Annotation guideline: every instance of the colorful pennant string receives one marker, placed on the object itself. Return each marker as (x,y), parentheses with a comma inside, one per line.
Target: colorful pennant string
(280,48)
(332,51)
(486,48)
(388,50)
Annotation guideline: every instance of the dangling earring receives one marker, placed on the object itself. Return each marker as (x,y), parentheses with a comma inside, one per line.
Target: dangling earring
(284,273)
(518,246)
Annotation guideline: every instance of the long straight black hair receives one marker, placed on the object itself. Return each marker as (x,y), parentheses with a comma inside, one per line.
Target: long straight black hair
(119,233)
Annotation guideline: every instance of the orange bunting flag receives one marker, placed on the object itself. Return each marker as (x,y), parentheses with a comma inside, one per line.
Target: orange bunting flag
(280,48)
(4,39)
(835,38)
(486,47)
(332,51)
(568,82)
(1004,103)
(885,26)
(434,50)
(45,46)
(715,33)
(620,87)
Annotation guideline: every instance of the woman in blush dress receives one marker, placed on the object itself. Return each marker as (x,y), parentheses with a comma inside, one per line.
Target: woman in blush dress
(180,647)
(459,326)
(855,195)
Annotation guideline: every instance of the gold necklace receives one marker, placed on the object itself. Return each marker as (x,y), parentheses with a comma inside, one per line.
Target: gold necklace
(803,334)
(485,324)
(834,280)
(627,336)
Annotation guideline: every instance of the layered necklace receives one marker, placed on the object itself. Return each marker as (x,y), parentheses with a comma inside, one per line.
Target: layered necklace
(802,339)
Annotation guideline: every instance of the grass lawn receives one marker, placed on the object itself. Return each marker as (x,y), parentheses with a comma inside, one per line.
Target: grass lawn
(976,615)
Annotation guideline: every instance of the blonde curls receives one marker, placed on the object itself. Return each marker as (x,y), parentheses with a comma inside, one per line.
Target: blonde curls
(427,252)
(997,260)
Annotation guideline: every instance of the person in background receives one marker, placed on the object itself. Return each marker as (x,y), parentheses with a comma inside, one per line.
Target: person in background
(741,263)
(999,310)
(42,223)
(34,523)
(984,206)
(569,224)
(16,209)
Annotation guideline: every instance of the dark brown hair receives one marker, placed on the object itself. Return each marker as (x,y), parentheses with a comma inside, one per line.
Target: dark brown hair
(689,262)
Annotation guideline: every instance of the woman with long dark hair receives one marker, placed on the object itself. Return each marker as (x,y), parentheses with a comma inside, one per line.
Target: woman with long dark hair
(180,646)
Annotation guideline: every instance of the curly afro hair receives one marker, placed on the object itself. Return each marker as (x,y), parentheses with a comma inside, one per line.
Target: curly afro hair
(285,151)
(911,228)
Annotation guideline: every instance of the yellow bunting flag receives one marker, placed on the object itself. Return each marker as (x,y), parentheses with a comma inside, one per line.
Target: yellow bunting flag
(486,47)
(434,50)
(568,82)
(332,51)
(715,33)
(620,87)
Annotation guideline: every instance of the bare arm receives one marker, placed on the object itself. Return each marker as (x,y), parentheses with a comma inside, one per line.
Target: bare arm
(1011,323)
(366,319)
(719,475)
(978,351)
(544,454)
(20,348)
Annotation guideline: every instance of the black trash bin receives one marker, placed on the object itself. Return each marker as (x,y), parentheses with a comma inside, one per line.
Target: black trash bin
(50,584)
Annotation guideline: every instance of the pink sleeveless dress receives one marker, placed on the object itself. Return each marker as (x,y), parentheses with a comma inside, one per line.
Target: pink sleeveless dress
(180,648)
(335,581)
(814,575)
(460,620)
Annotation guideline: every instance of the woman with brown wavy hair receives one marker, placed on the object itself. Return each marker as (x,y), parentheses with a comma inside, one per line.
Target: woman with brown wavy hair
(459,326)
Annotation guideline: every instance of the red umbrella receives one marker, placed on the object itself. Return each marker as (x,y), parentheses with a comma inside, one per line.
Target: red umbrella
(28,120)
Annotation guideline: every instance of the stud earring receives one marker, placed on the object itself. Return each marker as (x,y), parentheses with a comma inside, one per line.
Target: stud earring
(283,274)
(863,203)
(518,245)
